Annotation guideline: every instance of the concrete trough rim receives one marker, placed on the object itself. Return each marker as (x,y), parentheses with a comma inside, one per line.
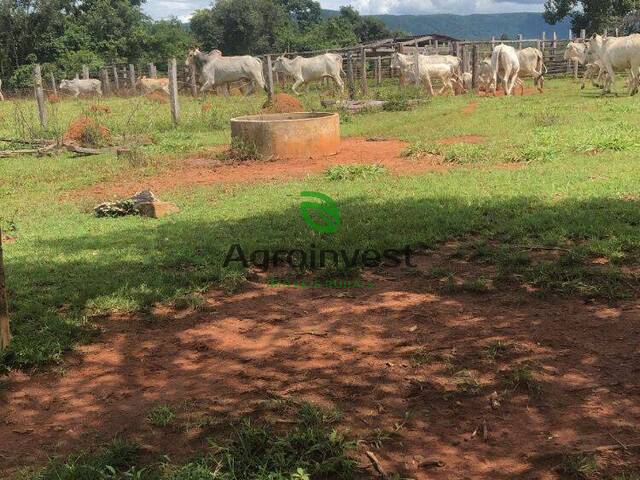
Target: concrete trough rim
(284,117)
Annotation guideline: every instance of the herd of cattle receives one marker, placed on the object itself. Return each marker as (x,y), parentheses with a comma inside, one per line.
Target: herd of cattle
(505,68)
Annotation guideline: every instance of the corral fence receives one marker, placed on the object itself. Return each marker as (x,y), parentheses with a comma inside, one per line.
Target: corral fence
(364,66)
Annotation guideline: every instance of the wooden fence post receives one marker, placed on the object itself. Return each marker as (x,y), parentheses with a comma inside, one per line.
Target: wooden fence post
(402,79)
(54,87)
(5,331)
(269,80)
(42,108)
(520,37)
(193,79)
(379,71)
(583,33)
(554,45)
(104,78)
(416,64)
(132,77)
(544,41)
(173,91)
(493,43)
(617,32)
(116,80)
(363,72)
(475,71)
(85,72)
(350,77)
(152,68)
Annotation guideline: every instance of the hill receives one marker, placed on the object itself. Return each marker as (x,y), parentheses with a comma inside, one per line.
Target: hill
(472,27)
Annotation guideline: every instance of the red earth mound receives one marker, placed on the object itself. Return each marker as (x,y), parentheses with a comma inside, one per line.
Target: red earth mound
(86,132)
(283,103)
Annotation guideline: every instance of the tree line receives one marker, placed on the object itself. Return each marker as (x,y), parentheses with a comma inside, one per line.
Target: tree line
(63,35)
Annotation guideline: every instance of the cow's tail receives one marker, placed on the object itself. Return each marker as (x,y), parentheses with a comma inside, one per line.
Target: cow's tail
(542,67)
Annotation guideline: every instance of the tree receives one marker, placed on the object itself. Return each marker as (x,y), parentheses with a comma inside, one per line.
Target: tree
(592,15)
(365,28)
(304,13)
(240,26)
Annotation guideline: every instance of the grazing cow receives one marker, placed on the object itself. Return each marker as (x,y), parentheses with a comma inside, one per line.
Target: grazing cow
(219,70)
(618,53)
(305,70)
(445,72)
(485,75)
(504,63)
(467,81)
(1,96)
(149,85)
(576,53)
(77,87)
(532,65)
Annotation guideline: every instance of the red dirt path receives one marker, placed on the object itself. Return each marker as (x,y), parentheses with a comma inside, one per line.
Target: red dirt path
(360,351)
(205,169)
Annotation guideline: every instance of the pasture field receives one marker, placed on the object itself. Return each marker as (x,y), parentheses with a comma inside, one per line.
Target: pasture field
(509,349)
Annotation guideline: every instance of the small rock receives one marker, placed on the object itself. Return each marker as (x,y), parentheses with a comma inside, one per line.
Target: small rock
(156,209)
(145,196)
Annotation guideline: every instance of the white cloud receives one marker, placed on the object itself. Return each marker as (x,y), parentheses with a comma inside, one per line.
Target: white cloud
(184,8)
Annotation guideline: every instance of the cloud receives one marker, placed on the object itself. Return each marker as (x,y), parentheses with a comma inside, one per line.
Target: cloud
(183,8)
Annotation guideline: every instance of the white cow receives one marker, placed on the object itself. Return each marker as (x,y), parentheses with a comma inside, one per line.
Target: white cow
(532,65)
(504,62)
(576,53)
(618,53)
(305,70)
(149,85)
(596,73)
(452,60)
(445,72)
(77,87)
(484,75)
(218,70)
(467,81)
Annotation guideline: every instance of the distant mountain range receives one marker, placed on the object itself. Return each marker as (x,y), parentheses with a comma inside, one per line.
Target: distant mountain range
(474,27)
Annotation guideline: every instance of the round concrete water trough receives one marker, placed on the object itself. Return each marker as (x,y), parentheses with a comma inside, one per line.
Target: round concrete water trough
(289,135)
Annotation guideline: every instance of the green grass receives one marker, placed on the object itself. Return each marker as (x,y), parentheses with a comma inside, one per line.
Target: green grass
(353,172)
(311,448)
(161,416)
(574,189)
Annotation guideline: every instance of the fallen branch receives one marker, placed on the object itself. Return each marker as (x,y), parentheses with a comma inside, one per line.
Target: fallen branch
(35,141)
(28,151)
(376,464)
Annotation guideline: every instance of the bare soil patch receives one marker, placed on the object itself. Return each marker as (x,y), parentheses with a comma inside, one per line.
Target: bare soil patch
(435,371)
(471,108)
(469,139)
(206,169)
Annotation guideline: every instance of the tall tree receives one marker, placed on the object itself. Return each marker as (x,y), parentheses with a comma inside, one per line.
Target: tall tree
(240,26)
(304,13)
(592,15)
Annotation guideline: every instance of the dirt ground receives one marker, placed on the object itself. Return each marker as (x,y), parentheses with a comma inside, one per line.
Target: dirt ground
(411,366)
(206,169)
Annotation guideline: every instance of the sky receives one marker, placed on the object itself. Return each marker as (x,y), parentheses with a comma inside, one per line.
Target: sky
(183,8)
